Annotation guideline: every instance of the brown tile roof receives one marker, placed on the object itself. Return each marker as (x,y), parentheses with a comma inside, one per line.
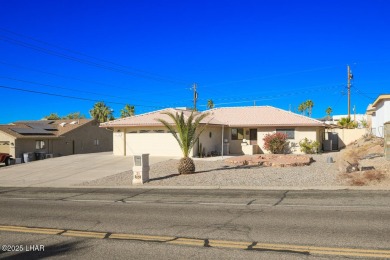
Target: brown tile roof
(58,128)
(229,116)
(261,116)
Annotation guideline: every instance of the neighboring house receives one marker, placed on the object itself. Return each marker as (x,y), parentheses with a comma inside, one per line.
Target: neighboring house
(235,130)
(379,113)
(49,138)
(337,137)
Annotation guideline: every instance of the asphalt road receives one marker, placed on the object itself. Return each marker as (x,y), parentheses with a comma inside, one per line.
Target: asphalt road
(195,224)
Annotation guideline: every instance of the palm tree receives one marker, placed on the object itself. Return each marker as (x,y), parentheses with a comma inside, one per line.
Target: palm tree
(101,112)
(127,111)
(329,111)
(302,108)
(210,104)
(186,133)
(309,106)
(346,122)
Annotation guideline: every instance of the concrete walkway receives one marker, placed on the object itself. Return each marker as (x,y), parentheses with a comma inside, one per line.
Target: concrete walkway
(67,171)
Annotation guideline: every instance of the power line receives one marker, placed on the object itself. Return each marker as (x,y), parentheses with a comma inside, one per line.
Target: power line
(58,87)
(85,55)
(83,80)
(73,97)
(271,97)
(84,61)
(58,75)
(296,91)
(270,76)
(363,94)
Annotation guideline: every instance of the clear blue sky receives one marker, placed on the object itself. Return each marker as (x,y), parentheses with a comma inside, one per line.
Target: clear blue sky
(149,53)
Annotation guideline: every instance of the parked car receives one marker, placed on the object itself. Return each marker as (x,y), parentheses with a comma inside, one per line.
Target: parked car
(5,158)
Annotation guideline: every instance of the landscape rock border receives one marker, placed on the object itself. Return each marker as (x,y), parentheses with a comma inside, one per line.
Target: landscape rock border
(271,160)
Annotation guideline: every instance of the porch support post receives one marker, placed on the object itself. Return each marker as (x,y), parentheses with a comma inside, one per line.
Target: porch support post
(124,142)
(222,139)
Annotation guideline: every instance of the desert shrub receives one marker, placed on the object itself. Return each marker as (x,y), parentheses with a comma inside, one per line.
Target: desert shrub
(347,122)
(363,178)
(374,175)
(275,143)
(308,146)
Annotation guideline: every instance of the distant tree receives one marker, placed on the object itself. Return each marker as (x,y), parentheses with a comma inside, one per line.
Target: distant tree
(101,112)
(75,115)
(210,104)
(52,116)
(306,107)
(329,111)
(127,111)
(302,108)
(309,106)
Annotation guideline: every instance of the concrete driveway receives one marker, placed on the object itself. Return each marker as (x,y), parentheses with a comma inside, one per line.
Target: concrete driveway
(67,171)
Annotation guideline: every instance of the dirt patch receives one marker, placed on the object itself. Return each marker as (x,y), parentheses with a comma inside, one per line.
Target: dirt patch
(273,160)
(362,163)
(363,178)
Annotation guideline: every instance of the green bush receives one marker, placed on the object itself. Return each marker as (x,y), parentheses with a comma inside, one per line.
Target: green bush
(275,143)
(308,146)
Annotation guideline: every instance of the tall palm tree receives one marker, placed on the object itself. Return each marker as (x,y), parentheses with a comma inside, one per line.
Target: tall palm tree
(127,111)
(210,104)
(186,133)
(101,112)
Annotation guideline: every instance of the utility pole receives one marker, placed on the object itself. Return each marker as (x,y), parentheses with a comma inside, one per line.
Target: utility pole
(350,76)
(195,95)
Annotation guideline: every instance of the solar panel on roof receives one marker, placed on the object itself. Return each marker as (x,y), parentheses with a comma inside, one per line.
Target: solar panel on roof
(42,126)
(31,131)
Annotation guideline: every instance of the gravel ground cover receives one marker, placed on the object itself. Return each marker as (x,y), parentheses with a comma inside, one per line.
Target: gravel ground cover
(219,173)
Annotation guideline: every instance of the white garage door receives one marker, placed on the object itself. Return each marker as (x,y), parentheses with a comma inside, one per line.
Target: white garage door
(155,144)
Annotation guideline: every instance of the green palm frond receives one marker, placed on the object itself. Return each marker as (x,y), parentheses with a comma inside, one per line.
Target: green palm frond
(186,132)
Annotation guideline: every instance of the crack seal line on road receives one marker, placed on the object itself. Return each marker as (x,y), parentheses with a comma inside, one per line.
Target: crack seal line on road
(251,246)
(251,203)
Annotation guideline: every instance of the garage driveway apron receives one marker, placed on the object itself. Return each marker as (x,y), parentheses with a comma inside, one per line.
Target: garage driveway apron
(67,171)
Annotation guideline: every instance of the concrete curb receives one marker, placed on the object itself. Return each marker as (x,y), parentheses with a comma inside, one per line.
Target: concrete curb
(320,188)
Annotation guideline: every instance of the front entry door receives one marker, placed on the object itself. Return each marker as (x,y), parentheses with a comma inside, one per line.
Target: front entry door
(253,136)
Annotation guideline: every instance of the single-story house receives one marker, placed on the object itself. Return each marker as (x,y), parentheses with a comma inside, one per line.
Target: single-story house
(51,138)
(229,130)
(378,114)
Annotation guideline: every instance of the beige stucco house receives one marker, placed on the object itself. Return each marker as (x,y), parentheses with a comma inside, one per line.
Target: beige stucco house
(47,138)
(234,130)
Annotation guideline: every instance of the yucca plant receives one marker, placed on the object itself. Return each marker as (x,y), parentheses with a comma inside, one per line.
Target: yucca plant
(186,133)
